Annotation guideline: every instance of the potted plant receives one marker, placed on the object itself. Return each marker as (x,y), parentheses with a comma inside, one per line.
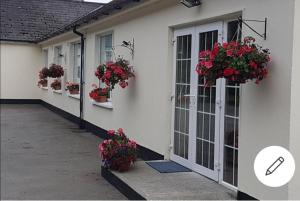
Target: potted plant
(56,71)
(113,73)
(43,75)
(72,87)
(118,153)
(236,61)
(43,83)
(99,94)
(56,85)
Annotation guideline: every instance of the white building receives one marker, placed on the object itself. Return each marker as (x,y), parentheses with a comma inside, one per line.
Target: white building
(219,132)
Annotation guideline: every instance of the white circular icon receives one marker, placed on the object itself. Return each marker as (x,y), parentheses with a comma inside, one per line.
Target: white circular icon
(274,166)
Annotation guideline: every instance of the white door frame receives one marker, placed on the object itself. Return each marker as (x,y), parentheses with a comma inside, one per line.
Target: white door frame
(218,155)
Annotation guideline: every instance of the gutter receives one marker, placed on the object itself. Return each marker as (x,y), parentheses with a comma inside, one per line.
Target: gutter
(81,123)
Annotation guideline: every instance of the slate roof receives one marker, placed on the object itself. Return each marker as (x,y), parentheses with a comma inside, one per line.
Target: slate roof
(31,20)
(109,9)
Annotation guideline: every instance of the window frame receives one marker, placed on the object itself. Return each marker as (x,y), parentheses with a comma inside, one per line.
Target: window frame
(73,57)
(99,52)
(57,58)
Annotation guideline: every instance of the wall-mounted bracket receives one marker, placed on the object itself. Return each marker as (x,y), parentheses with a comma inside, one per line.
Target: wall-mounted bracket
(264,35)
(130,46)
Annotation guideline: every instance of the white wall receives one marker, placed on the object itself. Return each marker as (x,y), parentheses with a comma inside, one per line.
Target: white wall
(144,108)
(20,64)
(295,107)
(62,101)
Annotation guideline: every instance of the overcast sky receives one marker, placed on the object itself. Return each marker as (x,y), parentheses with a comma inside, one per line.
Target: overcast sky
(100,1)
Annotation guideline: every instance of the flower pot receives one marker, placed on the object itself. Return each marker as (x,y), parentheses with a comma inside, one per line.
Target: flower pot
(44,84)
(101,99)
(74,92)
(120,164)
(57,88)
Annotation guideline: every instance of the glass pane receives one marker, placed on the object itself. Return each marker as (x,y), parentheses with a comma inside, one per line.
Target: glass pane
(176,143)
(236,134)
(228,165)
(212,157)
(212,128)
(205,153)
(181,145)
(232,33)
(199,159)
(230,101)
(186,147)
(236,168)
(206,126)
(229,131)
(199,124)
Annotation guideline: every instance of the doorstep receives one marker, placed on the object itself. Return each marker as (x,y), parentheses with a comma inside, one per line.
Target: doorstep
(144,183)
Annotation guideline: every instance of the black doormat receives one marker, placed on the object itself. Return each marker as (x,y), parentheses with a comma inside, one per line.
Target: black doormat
(167,167)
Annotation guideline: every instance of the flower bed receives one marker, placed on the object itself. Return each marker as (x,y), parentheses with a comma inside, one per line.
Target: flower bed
(238,62)
(118,153)
(72,87)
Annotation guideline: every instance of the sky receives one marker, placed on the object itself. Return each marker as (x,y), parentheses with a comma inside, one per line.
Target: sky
(100,1)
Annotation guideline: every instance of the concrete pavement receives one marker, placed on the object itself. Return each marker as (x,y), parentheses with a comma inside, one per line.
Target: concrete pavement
(44,156)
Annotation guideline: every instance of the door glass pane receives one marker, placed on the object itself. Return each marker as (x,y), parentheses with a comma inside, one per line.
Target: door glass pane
(231,119)
(231,122)
(206,104)
(182,102)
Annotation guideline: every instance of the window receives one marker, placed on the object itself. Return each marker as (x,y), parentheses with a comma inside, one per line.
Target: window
(45,57)
(76,61)
(58,55)
(106,50)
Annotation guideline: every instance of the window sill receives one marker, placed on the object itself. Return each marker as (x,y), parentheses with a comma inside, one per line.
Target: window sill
(44,88)
(107,105)
(57,91)
(75,96)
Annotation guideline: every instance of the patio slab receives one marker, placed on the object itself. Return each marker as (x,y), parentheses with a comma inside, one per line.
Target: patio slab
(143,182)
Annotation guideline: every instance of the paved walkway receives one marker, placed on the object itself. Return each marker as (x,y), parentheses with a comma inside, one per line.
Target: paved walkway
(44,156)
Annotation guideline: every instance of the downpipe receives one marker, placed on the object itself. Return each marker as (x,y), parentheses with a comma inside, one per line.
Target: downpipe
(81,122)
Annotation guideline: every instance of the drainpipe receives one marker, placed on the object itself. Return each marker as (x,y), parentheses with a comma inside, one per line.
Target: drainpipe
(81,123)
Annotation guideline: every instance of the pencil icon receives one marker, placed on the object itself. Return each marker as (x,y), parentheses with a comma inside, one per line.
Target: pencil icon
(274,166)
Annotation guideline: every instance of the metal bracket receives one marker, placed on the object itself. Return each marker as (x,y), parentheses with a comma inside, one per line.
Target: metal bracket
(264,35)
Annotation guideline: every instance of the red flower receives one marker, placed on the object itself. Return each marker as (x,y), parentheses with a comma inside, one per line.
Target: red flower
(229,53)
(111,132)
(208,64)
(253,65)
(228,72)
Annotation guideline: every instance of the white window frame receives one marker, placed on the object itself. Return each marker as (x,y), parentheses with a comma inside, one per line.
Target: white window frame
(46,57)
(73,63)
(57,58)
(98,53)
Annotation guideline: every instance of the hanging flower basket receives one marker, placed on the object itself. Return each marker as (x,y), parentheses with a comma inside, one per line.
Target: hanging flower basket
(56,71)
(43,75)
(238,62)
(113,73)
(118,153)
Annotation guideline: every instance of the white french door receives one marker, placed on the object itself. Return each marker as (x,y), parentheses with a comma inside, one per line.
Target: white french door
(198,115)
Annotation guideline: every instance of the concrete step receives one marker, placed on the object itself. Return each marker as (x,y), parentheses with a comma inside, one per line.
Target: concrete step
(145,183)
